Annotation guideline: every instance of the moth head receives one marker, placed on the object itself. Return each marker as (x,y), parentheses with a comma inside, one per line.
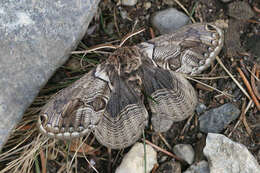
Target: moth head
(126,60)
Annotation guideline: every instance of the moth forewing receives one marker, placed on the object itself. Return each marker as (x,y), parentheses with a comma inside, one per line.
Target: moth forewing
(70,113)
(125,116)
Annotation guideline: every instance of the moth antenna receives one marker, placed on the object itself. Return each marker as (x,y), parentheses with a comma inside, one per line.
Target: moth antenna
(108,45)
(94,48)
(127,36)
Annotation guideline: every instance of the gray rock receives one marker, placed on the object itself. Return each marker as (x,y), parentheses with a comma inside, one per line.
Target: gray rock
(169,20)
(161,124)
(169,167)
(200,167)
(226,156)
(36,37)
(129,2)
(215,120)
(184,151)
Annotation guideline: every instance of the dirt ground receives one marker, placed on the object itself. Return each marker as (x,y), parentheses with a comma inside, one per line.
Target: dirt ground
(110,24)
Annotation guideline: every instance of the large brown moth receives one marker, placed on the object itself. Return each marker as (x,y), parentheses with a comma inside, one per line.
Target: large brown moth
(109,100)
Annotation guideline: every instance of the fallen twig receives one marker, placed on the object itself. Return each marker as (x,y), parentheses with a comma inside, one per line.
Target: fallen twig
(97,47)
(249,88)
(129,36)
(240,118)
(222,92)
(187,124)
(152,32)
(233,78)
(164,140)
(248,129)
(116,25)
(164,151)
(256,9)
(185,10)
(108,45)
(243,118)
(43,161)
(254,75)
(156,166)
(76,146)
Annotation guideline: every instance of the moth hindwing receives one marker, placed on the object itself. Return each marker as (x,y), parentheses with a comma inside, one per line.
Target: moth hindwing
(189,50)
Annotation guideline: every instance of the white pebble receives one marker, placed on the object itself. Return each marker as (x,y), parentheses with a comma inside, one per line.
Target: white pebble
(184,151)
(129,2)
(133,161)
(147,5)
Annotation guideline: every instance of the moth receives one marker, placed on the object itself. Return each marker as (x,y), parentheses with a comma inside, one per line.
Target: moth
(109,100)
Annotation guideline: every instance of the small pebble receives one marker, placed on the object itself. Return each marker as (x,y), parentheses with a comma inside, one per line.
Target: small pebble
(169,167)
(162,159)
(200,108)
(123,13)
(199,135)
(129,2)
(200,167)
(225,1)
(133,161)
(147,5)
(169,20)
(169,2)
(185,152)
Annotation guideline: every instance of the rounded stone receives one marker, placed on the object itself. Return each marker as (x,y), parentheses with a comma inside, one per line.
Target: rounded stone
(185,152)
(129,2)
(169,20)
(200,167)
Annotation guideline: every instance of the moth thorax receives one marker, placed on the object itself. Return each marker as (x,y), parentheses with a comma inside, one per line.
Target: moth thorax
(128,59)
